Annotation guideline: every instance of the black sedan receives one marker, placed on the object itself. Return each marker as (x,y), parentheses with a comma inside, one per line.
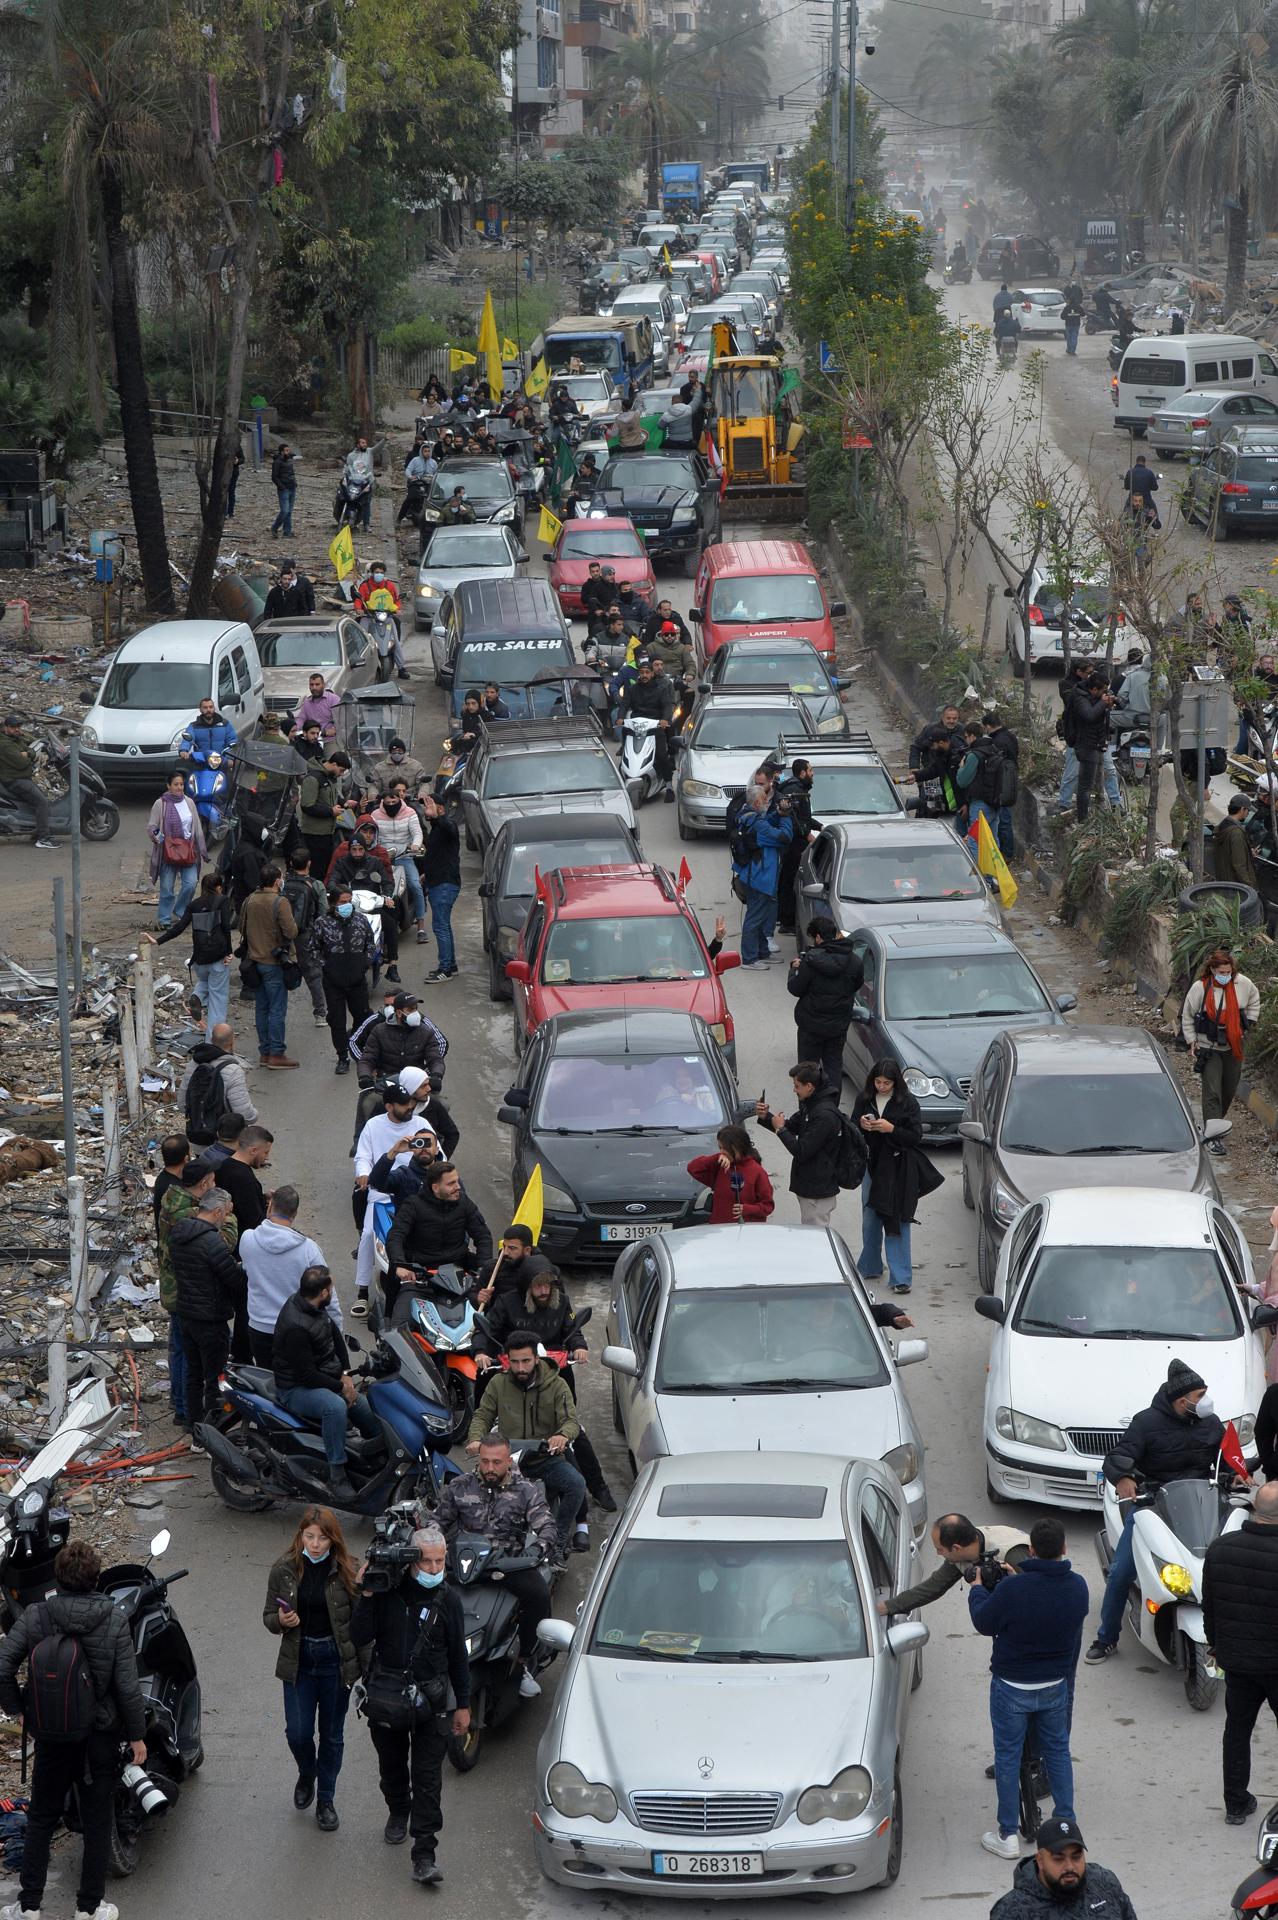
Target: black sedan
(490,492)
(540,843)
(612,1105)
(755,663)
(672,497)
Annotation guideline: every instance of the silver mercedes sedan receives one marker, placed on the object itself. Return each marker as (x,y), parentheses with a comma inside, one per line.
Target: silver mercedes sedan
(732,1715)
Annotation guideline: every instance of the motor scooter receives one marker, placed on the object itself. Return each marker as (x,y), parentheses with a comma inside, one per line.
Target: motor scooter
(348,505)
(208,786)
(1257,1895)
(1132,754)
(51,770)
(958,275)
(382,628)
(437,1311)
(639,758)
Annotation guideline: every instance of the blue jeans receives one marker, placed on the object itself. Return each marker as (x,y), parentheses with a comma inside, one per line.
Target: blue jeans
(283,521)
(1122,1572)
(270,1006)
(1014,1713)
(317,1692)
(1071,336)
(875,1239)
(332,1412)
(442,899)
(177,884)
(213,984)
(1069,779)
(760,913)
(565,1495)
(1002,825)
(412,883)
(177,1369)
(975,808)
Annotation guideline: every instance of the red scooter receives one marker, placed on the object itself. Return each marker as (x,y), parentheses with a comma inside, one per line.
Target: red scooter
(1258,1894)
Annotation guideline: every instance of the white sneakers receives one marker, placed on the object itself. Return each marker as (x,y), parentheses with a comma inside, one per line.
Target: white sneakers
(1006,1845)
(528,1687)
(106,1911)
(16,1911)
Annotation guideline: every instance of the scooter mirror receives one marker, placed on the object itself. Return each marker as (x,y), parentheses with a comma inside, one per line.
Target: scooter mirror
(160,1544)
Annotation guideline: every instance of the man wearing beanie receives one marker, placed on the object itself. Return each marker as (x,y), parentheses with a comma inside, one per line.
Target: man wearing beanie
(1059,1880)
(1173,1438)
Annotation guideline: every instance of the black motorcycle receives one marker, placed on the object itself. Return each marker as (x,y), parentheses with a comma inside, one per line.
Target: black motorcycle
(99,815)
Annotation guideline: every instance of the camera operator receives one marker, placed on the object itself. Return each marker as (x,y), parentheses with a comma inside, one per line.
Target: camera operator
(418,1635)
(966,1552)
(497,1502)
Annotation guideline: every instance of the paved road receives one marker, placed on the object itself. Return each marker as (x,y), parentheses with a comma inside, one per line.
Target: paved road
(235,1845)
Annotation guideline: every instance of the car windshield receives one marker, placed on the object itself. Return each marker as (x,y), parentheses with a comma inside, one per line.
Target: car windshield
(603,953)
(653,470)
(587,349)
(746,1340)
(586,388)
(614,272)
(1095,1114)
(529,857)
(156,683)
(585,770)
(1089,602)
(714,1600)
(904,873)
(840,790)
(965,986)
(1195,403)
(1128,1293)
(488,480)
(316,647)
(455,547)
(798,669)
(752,598)
(631,1093)
(607,543)
(737,729)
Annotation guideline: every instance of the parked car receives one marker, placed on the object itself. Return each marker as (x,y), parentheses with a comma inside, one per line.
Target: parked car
(292,650)
(1083,1106)
(454,554)
(754,664)
(1235,485)
(879,872)
(613,540)
(611,1105)
(1097,1290)
(1197,420)
(539,766)
(932,991)
(727,739)
(731,1717)
(153,687)
(1090,610)
(538,843)
(760,1335)
(1032,258)
(671,496)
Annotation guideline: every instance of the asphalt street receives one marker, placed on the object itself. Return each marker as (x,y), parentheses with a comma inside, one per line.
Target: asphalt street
(1147,1769)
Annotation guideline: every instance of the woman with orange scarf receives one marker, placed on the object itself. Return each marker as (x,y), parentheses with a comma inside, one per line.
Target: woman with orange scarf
(1218,1009)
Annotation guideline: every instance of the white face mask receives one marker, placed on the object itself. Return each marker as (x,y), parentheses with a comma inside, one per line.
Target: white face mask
(1205,1407)
(412,1019)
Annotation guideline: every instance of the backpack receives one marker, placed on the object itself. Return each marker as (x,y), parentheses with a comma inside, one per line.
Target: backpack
(60,1701)
(850,1163)
(206,1101)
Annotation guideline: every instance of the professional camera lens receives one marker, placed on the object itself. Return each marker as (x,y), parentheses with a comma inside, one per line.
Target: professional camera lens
(150,1798)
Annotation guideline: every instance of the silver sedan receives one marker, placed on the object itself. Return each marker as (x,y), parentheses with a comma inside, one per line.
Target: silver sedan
(454,554)
(731,1721)
(1194,422)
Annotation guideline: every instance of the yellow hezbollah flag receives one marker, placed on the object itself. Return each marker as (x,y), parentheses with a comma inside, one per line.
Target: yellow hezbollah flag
(538,380)
(548,527)
(509,350)
(489,347)
(457,359)
(341,551)
(531,1208)
(665,257)
(991,862)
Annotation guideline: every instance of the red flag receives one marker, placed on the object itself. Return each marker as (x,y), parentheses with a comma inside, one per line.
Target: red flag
(684,874)
(541,886)
(1231,1448)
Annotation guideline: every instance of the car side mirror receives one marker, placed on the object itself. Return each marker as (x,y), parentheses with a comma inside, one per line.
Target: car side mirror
(509,1117)
(556,1633)
(470,793)
(725,962)
(1217,1129)
(1008,592)
(747,1110)
(973,1130)
(518,1097)
(861,1013)
(484,890)
(910,1635)
(990,1308)
(517,969)
(909,1352)
(621,1360)
(1067,1002)
(838,608)
(1263,1318)
(694,613)
(521,558)
(813,890)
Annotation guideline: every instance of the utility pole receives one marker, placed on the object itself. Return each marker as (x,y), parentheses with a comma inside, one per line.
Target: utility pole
(834,103)
(849,203)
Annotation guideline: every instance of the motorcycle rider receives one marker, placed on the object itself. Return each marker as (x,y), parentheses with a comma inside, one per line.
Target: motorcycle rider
(441,1226)
(1132,691)
(1003,302)
(498,1503)
(420,471)
(360,862)
(312,1374)
(1006,327)
(958,254)
(372,593)
(649,698)
(357,481)
(409,1040)
(531,1401)
(515,1267)
(209,732)
(1170,1439)
(16,771)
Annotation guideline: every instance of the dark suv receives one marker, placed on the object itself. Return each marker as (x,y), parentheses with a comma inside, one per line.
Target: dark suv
(671,496)
(1032,258)
(1236,484)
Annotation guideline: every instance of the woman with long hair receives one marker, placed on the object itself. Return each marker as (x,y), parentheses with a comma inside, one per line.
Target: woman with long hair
(309,1601)
(736,1178)
(897,1172)
(1219,1008)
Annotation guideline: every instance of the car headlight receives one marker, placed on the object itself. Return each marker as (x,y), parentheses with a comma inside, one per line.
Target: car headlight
(1244,1425)
(923,1086)
(833,723)
(683,516)
(508,941)
(701,789)
(904,1462)
(1006,1204)
(88,737)
(427,591)
(431,513)
(847,1795)
(505,513)
(176,741)
(577,1798)
(1029,1431)
(556,1198)
(1177,1579)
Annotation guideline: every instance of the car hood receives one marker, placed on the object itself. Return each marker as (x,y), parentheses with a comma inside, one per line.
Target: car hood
(572,574)
(449,577)
(867,1420)
(520,805)
(599,1166)
(1033,1174)
(654,497)
(982,908)
(815,632)
(955,1048)
(649,1726)
(1102,1383)
(289,686)
(704,997)
(727,766)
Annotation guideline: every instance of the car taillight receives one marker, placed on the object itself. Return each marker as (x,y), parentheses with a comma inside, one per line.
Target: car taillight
(1035,616)
(1027,306)
(1204,422)
(1120,618)
(1234,486)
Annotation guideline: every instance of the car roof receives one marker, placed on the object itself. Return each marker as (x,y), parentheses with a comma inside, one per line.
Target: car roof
(930,937)
(566,732)
(591,1033)
(586,893)
(1112,1051)
(1126,1217)
(526,608)
(177,639)
(868,834)
(732,557)
(563,826)
(775,1486)
(741,699)
(303,622)
(1252,439)
(705,1258)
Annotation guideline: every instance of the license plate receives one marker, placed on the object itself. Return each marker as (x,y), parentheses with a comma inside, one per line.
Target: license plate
(708,1866)
(630,1231)
(1100,1483)
(1270,506)
(1139,755)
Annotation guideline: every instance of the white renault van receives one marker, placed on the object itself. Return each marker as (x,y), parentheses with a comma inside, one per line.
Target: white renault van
(1155,369)
(152,690)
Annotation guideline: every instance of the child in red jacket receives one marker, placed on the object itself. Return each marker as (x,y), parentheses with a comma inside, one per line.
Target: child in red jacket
(735,1175)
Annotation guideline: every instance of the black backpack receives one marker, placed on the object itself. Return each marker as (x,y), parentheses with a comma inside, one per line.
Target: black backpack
(851,1163)
(60,1702)
(206,1101)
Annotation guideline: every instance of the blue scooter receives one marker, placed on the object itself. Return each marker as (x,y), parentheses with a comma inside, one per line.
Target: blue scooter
(260,1453)
(208,786)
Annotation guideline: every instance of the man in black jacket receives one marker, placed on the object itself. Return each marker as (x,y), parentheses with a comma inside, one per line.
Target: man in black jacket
(1089,712)
(418,1636)
(92,1764)
(1240,1616)
(650,697)
(824,982)
(515,1267)
(597,595)
(796,788)
(292,597)
(409,1040)
(1005,742)
(1168,1440)
(441,1227)
(948,727)
(812,1137)
(210,1287)
(312,1373)
(1059,1882)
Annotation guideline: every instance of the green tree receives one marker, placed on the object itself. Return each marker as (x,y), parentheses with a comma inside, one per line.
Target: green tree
(725,78)
(953,74)
(639,92)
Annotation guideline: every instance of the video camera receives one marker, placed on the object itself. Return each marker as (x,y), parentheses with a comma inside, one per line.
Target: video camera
(391,1551)
(989,1570)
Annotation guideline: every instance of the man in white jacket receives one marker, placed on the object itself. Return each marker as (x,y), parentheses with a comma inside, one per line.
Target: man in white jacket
(399,831)
(274,1256)
(399,1121)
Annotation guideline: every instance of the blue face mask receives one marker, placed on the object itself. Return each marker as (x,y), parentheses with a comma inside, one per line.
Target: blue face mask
(428,1579)
(345,909)
(315,1558)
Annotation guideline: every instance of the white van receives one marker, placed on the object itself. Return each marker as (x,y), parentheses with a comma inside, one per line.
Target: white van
(652,299)
(1155,369)
(152,690)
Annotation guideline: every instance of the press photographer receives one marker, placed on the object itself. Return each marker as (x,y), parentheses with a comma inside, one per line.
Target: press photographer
(418,1686)
(966,1552)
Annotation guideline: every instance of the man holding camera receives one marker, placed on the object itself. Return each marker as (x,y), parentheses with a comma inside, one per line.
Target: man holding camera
(418,1635)
(497,1502)
(966,1552)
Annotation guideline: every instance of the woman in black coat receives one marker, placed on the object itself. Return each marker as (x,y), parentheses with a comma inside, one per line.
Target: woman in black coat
(897,1173)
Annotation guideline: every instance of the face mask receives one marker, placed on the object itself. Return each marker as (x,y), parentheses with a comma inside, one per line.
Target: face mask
(390,806)
(377,575)
(389,1012)
(412,1019)
(397,754)
(314,1558)
(1205,1407)
(346,909)
(428,1579)
(1222,979)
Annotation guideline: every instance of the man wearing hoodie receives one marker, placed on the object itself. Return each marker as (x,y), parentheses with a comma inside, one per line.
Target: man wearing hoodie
(531,1401)
(440,1227)
(1035,1619)
(1059,1883)
(825,981)
(274,1256)
(312,1377)
(210,1286)
(101,1628)
(812,1137)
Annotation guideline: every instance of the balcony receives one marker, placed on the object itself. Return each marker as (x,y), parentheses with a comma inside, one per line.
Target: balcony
(605,24)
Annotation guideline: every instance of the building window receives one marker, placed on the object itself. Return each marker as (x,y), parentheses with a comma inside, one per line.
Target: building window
(547,64)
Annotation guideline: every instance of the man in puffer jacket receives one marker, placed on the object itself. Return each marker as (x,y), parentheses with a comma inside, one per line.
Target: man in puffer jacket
(1059,1881)
(1240,1617)
(812,1136)
(825,981)
(93,1763)
(759,837)
(210,1286)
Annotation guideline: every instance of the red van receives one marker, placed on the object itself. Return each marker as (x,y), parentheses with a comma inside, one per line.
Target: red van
(764,588)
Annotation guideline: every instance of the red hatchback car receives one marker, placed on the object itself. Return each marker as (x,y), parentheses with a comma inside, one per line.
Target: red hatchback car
(612,937)
(615,543)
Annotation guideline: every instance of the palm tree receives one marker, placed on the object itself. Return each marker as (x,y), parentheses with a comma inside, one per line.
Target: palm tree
(727,65)
(1210,129)
(639,89)
(954,72)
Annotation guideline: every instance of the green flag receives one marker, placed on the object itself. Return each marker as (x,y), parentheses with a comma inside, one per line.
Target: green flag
(564,472)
